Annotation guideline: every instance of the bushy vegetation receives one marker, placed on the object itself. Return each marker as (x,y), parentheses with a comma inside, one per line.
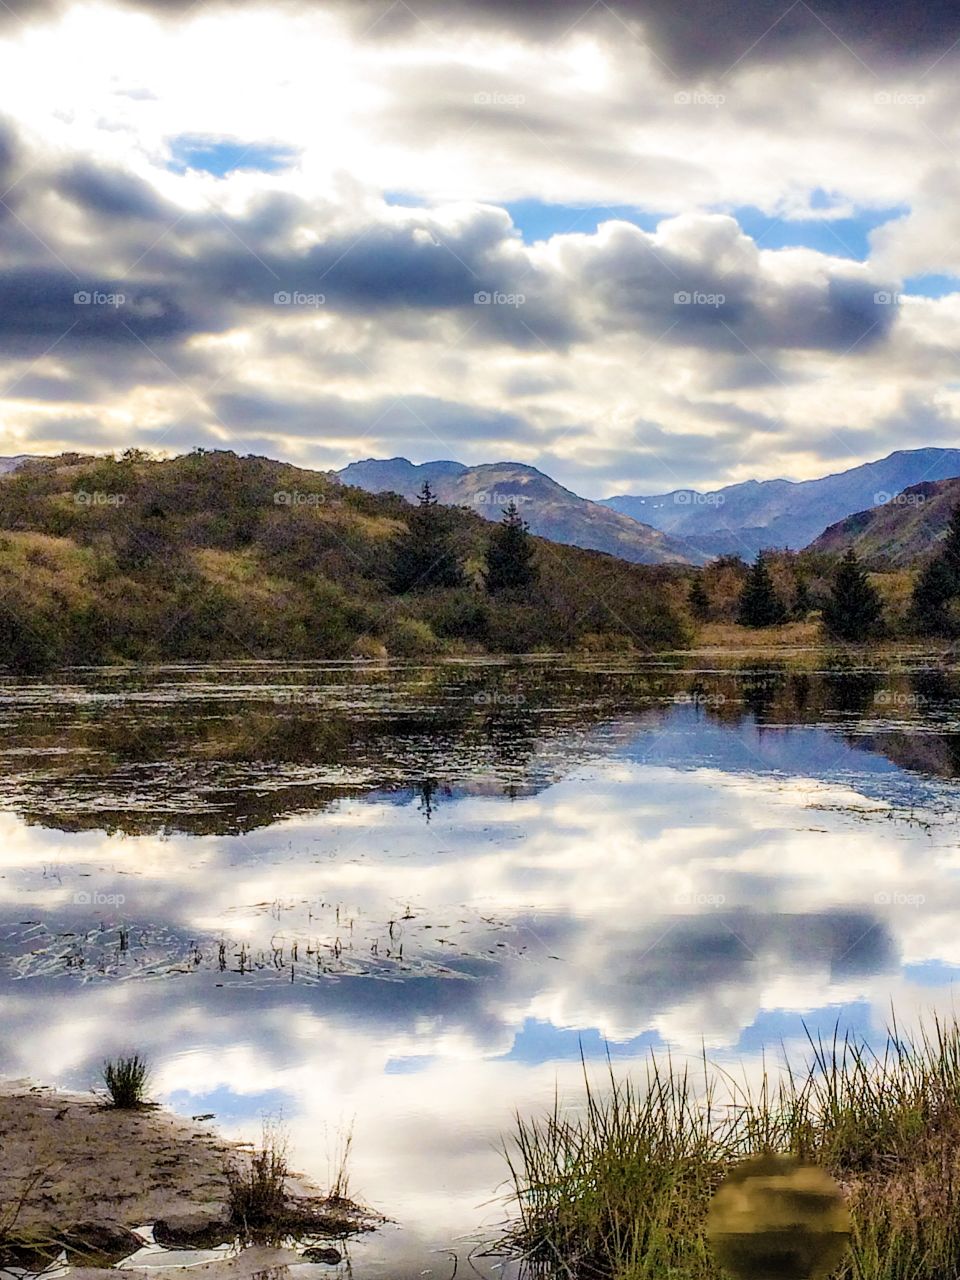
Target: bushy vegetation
(127,1080)
(258,1189)
(620,1189)
(211,555)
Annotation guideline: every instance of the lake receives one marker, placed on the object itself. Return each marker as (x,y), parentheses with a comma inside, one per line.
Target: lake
(398,901)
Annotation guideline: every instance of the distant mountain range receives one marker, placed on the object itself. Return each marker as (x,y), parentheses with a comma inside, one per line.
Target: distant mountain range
(745,518)
(860,507)
(550,510)
(899,532)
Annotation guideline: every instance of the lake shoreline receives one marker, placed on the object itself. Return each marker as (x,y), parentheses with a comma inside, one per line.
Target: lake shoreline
(94,1183)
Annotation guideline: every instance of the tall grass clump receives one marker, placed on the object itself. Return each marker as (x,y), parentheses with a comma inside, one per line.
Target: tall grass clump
(619,1188)
(258,1189)
(127,1080)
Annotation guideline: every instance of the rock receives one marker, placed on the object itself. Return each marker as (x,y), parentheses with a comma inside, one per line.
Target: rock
(105,1242)
(201,1229)
(318,1254)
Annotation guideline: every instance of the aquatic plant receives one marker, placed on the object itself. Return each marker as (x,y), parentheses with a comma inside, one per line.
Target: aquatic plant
(126,1080)
(619,1189)
(258,1188)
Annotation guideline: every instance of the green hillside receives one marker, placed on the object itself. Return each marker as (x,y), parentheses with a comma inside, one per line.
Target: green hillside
(211,555)
(899,534)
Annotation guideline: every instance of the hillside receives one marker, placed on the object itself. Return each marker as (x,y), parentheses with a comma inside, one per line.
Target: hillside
(211,555)
(899,533)
(743,518)
(550,510)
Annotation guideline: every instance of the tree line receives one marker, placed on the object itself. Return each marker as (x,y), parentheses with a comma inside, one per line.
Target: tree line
(853,609)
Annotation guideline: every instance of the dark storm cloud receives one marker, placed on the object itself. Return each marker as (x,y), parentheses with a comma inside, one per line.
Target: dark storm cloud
(111,194)
(412,420)
(699,36)
(39,304)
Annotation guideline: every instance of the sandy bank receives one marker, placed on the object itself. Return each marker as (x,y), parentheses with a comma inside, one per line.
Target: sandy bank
(80,1176)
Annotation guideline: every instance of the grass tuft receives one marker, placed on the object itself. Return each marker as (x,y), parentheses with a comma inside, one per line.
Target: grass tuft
(126,1080)
(619,1189)
(258,1190)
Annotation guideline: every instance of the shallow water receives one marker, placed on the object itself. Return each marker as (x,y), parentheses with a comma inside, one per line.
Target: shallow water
(402,900)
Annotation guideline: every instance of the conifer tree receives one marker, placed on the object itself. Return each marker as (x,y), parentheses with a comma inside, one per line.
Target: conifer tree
(802,602)
(854,611)
(698,599)
(938,584)
(510,553)
(760,606)
(424,555)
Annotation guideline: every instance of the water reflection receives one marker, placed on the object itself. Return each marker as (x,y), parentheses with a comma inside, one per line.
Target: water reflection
(413,895)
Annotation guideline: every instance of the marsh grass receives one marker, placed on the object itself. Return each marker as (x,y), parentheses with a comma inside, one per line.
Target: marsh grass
(620,1187)
(259,1204)
(127,1080)
(19,1247)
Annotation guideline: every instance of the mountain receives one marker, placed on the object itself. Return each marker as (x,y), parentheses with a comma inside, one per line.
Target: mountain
(211,556)
(11,464)
(744,518)
(550,510)
(898,533)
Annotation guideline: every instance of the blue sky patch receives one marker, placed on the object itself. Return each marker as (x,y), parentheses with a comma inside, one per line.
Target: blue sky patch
(221,156)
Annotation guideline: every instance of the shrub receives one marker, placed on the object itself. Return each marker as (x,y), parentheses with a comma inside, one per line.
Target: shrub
(410,638)
(126,1080)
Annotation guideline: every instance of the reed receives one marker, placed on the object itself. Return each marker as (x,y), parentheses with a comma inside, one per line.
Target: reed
(618,1189)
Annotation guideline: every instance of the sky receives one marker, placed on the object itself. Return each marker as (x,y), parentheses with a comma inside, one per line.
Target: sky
(637,245)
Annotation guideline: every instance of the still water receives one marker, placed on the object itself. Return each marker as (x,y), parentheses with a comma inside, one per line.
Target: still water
(401,900)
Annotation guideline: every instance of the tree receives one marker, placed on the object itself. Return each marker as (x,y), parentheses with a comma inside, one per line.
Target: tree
(698,599)
(424,555)
(853,611)
(932,594)
(759,605)
(802,601)
(938,584)
(510,553)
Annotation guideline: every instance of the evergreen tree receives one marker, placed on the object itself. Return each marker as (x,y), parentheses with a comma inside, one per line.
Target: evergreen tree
(698,599)
(424,555)
(854,611)
(938,584)
(934,589)
(760,606)
(510,553)
(802,602)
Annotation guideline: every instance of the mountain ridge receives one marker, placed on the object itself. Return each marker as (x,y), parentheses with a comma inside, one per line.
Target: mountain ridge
(551,510)
(784,513)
